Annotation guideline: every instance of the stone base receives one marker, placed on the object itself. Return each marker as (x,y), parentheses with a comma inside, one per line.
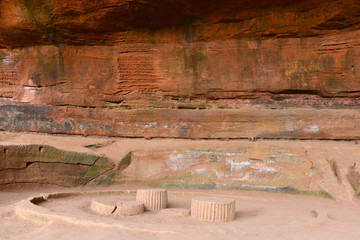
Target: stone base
(213,209)
(153,199)
(129,208)
(102,208)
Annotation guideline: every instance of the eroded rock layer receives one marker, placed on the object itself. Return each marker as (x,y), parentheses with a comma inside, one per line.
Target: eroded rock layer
(318,168)
(39,22)
(42,164)
(181,68)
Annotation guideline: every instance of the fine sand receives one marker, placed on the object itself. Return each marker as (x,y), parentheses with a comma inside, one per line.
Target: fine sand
(259,215)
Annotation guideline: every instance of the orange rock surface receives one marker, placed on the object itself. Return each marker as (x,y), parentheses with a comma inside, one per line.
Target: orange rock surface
(181,68)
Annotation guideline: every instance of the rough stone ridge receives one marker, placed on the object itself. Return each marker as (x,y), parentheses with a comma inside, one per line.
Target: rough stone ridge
(213,209)
(153,199)
(77,22)
(37,163)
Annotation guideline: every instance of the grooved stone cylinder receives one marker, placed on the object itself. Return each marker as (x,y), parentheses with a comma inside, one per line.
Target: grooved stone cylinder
(213,209)
(153,199)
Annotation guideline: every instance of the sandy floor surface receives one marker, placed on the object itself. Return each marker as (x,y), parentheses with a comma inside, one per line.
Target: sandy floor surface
(259,215)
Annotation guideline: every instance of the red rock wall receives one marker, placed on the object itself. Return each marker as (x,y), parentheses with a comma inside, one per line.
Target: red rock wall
(188,69)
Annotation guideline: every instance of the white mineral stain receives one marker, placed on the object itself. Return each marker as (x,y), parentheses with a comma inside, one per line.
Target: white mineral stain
(29,94)
(311,128)
(234,165)
(181,162)
(199,171)
(6,60)
(219,175)
(151,125)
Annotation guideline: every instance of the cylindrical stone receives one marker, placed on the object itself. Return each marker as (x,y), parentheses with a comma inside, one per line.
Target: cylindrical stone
(129,208)
(153,199)
(101,208)
(213,209)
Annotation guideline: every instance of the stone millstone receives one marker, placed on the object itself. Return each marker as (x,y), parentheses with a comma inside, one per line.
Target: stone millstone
(213,209)
(153,199)
(129,208)
(101,208)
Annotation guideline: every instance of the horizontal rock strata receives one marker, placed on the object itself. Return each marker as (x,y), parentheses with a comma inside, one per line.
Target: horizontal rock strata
(248,123)
(42,164)
(108,22)
(118,68)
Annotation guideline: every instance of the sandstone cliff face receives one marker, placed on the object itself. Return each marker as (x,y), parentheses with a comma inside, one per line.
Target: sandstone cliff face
(181,68)
(42,164)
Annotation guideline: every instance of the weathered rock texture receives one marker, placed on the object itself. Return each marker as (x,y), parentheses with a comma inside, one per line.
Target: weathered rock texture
(258,167)
(320,168)
(354,178)
(181,68)
(47,165)
(213,209)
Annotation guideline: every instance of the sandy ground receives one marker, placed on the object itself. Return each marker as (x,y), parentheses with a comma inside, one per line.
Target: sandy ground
(259,215)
